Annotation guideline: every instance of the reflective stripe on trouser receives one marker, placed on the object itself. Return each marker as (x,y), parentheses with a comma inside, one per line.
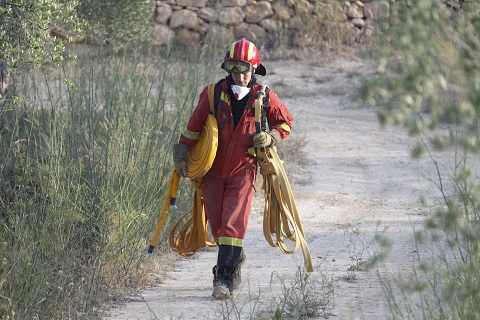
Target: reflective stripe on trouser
(227,204)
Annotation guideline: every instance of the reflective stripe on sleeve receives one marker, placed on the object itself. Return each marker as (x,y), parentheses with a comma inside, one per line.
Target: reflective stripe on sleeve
(191,135)
(284,126)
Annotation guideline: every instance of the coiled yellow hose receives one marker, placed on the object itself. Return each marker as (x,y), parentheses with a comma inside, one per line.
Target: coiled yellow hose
(200,157)
(193,234)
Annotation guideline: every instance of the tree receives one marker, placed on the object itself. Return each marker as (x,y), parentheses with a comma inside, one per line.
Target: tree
(118,23)
(428,80)
(34,33)
(25,36)
(430,63)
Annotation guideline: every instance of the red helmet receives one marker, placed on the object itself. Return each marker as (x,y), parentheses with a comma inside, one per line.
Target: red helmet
(242,57)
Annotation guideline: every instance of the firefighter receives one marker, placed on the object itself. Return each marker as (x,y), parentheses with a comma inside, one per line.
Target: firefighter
(228,187)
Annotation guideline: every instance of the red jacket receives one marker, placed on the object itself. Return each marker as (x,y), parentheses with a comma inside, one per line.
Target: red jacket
(229,184)
(233,142)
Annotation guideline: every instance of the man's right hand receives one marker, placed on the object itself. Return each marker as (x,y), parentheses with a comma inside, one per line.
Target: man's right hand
(181,168)
(180,152)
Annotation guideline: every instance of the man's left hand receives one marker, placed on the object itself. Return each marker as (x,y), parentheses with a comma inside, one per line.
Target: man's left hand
(262,140)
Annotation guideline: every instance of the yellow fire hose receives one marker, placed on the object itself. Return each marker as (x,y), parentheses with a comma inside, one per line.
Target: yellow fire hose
(280,212)
(193,235)
(281,220)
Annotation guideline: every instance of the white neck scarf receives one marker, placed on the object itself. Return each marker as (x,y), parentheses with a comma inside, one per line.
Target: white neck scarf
(240,92)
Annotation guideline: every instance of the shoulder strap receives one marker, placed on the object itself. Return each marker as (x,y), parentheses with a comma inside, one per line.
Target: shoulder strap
(214,91)
(264,110)
(211,99)
(216,98)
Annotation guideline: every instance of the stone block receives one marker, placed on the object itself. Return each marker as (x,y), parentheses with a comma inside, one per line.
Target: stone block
(270,25)
(184,18)
(258,11)
(187,38)
(192,3)
(249,31)
(281,10)
(209,15)
(163,13)
(162,34)
(233,3)
(231,16)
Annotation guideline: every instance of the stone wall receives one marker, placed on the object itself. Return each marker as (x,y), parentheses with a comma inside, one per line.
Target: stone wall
(192,21)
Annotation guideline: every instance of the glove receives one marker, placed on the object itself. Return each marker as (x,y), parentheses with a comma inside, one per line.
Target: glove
(180,151)
(181,168)
(265,139)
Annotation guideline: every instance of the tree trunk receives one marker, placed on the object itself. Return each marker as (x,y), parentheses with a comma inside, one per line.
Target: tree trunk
(7,90)
(4,83)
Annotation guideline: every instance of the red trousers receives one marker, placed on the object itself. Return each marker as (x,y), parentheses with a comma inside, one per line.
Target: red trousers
(228,202)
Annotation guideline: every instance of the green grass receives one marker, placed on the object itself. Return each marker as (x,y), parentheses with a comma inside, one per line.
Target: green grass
(84,167)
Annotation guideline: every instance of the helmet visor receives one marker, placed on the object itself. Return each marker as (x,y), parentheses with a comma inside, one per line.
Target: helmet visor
(237,66)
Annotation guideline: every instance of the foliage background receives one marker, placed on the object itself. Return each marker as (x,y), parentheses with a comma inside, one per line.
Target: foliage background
(428,81)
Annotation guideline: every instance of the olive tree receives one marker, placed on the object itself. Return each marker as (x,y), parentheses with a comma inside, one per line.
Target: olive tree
(428,80)
(34,33)
(25,36)
(118,23)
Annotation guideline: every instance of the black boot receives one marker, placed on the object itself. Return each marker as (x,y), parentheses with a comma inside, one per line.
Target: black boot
(221,290)
(237,272)
(228,258)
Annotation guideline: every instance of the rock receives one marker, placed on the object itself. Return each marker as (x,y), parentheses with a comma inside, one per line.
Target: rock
(184,18)
(281,10)
(162,34)
(251,32)
(234,3)
(295,23)
(163,13)
(360,23)
(231,16)
(203,27)
(185,37)
(192,3)
(352,35)
(354,11)
(270,25)
(209,15)
(303,7)
(258,11)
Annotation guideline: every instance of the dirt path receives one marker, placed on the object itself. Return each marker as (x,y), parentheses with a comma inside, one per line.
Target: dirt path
(362,180)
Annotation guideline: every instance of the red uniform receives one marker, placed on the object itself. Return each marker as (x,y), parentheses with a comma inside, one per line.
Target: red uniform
(229,185)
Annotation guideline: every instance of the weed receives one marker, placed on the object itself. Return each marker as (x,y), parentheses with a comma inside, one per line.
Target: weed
(359,245)
(307,295)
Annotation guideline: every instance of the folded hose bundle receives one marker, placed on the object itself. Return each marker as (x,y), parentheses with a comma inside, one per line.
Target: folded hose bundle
(280,218)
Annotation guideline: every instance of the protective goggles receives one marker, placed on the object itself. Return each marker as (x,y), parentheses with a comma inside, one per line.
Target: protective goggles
(237,66)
